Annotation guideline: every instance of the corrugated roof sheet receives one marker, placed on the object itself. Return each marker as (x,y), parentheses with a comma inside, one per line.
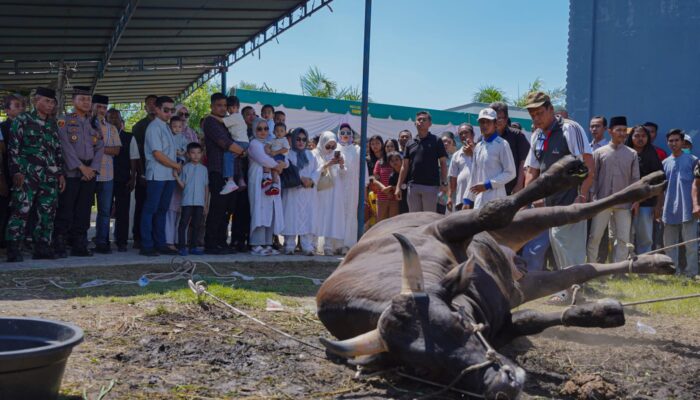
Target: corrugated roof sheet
(162,47)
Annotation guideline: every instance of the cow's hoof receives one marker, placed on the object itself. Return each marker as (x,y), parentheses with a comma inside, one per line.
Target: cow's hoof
(604,313)
(653,264)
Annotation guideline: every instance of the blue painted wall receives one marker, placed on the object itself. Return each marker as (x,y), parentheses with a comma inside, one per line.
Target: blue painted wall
(639,58)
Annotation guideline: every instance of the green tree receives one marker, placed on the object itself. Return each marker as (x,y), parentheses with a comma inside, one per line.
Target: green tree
(317,84)
(198,103)
(254,86)
(489,94)
(557,95)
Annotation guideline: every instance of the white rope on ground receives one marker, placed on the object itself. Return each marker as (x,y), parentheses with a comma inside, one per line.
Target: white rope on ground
(182,269)
(200,289)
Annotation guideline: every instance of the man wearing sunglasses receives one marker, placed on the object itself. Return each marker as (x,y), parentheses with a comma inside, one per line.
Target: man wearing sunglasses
(161,162)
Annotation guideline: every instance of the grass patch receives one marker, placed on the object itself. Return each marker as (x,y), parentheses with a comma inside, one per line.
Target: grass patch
(635,288)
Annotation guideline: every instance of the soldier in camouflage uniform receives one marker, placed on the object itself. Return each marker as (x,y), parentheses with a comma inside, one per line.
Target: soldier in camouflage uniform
(35,162)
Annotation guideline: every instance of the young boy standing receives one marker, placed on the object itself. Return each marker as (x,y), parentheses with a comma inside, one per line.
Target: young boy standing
(193,181)
(238,129)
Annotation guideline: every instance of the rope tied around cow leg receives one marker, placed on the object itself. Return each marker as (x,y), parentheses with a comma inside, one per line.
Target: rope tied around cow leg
(574,292)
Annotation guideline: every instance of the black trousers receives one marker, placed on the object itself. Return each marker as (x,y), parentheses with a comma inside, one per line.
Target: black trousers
(74,208)
(4,216)
(221,207)
(122,203)
(240,228)
(140,198)
(190,217)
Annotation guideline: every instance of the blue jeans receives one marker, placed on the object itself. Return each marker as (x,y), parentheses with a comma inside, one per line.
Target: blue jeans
(535,251)
(104,210)
(643,225)
(229,168)
(158,194)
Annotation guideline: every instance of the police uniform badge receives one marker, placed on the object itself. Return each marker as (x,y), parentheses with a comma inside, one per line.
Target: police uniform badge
(94,139)
(61,123)
(73,138)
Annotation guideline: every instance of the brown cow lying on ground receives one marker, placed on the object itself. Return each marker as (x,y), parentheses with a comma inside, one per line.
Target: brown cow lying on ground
(417,287)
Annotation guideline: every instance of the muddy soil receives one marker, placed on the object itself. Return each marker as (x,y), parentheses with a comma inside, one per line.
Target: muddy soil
(164,349)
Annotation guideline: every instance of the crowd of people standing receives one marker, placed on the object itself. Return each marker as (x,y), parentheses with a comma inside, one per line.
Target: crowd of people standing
(250,183)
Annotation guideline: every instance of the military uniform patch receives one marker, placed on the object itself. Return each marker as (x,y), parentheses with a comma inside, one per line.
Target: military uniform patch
(94,139)
(73,138)
(61,123)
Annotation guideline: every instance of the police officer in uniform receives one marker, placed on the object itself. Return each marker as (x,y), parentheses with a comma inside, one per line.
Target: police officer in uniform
(35,164)
(81,141)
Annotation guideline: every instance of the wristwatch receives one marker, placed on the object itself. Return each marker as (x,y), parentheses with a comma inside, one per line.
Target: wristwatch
(443,183)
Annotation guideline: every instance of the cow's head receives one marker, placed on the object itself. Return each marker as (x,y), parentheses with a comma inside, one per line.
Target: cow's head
(428,334)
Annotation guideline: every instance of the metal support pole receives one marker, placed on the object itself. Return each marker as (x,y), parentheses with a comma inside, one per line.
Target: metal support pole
(364,116)
(60,88)
(223,80)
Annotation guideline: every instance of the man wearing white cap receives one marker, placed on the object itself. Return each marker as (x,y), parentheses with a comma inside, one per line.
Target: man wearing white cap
(492,166)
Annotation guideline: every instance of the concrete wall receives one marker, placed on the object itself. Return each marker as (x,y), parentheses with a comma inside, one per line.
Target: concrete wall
(639,58)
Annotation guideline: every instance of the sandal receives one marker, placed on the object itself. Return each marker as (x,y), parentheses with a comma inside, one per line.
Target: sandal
(562,298)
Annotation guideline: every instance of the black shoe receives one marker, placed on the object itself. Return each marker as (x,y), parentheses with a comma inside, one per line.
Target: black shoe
(103,248)
(14,252)
(231,249)
(59,247)
(121,248)
(43,252)
(241,247)
(167,251)
(215,251)
(80,251)
(149,252)
(137,244)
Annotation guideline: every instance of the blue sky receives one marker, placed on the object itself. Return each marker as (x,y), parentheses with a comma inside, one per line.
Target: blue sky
(432,54)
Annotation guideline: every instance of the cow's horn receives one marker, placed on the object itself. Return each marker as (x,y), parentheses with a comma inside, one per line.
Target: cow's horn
(412,273)
(366,344)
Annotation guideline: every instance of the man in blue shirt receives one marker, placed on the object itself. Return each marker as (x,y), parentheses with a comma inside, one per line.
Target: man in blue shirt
(160,153)
(678,204)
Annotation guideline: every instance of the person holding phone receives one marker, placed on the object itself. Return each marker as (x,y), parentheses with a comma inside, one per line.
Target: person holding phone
(331,194)
(350,153)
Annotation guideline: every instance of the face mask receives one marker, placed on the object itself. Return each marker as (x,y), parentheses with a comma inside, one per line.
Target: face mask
(686,151)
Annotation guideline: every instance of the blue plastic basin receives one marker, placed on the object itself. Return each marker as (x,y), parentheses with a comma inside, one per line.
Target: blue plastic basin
(33,355)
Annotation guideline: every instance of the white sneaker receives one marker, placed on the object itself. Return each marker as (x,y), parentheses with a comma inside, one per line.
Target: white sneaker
(309,252)
(289,251)
(271,251)
(229,187)
(259,251)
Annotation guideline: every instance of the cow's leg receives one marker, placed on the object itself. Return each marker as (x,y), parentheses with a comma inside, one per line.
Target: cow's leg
(538,284)
(496,214)
(605,313)
(527,224)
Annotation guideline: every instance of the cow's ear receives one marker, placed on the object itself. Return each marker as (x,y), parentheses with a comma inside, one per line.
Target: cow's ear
(458,279)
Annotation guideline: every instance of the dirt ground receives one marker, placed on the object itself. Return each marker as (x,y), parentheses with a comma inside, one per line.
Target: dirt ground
(164,348)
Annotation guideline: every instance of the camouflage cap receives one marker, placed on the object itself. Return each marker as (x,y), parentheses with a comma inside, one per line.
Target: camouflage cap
(536,99)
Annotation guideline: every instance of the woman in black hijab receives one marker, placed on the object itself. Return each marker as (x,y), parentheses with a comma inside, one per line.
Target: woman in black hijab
(642,223)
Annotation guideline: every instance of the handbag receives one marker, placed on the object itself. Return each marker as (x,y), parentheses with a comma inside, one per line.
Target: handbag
(289,178)
(325,181)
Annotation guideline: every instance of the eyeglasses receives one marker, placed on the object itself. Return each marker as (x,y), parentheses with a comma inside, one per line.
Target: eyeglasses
(186,115)
(330,146)
(301,139)
(345,133)
(168,110)
(262,128)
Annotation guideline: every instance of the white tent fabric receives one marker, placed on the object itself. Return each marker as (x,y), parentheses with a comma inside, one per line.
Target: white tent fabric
(316,122)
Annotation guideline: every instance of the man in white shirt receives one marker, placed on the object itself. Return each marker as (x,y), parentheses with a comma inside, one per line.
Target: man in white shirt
(492,167)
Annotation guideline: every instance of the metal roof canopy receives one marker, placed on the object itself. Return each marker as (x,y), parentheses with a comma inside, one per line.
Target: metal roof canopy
(127,49)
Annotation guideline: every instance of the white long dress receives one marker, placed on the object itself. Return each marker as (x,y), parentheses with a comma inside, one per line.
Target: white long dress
(351,185)
(300,203)
(262,206)
(331,201)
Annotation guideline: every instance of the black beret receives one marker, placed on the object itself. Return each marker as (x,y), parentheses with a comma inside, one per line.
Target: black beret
(100,99)
(82,90)
(46,92)
(619,120)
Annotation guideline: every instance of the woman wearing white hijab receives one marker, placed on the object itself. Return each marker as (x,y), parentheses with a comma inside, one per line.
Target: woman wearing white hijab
(299,203)
(331,193)
(351,185)
(266,215)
